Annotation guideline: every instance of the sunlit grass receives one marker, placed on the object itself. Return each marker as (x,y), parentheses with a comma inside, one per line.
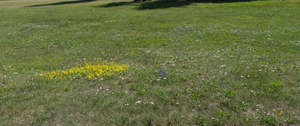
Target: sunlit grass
(195,64)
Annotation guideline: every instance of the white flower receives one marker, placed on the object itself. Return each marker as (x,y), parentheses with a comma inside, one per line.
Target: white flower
(138,102)
(152,103)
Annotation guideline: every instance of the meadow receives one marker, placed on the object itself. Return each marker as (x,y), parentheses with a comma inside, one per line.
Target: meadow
(175,63)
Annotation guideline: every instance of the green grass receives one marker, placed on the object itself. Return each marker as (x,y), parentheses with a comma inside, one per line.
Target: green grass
(190,63)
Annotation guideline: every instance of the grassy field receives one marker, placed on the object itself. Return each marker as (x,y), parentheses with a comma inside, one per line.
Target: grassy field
(206,64)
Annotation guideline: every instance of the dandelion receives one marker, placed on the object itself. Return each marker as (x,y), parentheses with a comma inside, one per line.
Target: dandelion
(88,71)
(281,113)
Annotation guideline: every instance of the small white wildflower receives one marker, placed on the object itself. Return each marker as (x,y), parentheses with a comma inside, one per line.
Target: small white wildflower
(223,65)
(138,102)
(126,104)
(152,103)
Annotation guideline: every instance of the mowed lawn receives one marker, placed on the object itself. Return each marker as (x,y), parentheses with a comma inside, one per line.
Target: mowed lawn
(190,64)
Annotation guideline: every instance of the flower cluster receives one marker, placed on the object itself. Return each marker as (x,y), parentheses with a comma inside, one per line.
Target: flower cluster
(87,71)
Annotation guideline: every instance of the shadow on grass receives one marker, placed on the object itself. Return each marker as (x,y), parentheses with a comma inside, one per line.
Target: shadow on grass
(157,4)
(162,4)
(116,4)
(61,3)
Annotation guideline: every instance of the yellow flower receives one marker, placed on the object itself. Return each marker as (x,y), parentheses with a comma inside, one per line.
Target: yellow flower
(88,71)
(281,112)
(90,76)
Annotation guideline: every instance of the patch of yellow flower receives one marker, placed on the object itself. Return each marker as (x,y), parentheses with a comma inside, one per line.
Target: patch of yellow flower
(87,71)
